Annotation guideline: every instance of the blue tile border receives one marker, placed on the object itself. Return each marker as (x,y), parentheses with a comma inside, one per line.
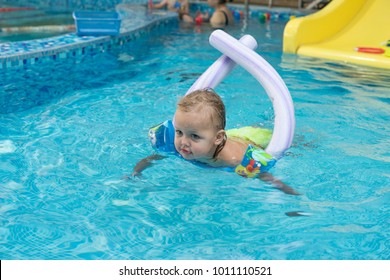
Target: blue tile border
(19,54)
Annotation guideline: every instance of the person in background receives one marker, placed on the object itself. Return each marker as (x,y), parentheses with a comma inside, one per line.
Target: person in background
(182,7)
(221,17)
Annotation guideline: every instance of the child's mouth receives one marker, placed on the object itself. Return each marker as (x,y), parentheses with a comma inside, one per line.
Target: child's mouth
(186,152)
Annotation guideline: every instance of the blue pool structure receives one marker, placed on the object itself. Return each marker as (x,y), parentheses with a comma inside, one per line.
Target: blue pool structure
(74,118)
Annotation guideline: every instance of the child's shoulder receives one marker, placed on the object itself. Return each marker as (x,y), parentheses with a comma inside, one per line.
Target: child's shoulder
(233,152)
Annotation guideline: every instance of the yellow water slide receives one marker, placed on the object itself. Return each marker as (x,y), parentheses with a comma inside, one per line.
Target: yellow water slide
(336,31)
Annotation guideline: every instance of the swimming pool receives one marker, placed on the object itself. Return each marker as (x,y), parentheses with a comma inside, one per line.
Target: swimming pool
(31,24)
(71,130)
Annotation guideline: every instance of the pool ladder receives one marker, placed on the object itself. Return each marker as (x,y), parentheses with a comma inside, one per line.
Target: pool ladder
(306,4)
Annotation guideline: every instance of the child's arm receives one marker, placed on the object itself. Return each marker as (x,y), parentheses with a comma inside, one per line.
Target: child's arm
(269,178)
(145,163)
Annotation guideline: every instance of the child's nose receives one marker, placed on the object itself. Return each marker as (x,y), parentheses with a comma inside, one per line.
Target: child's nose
(185,140)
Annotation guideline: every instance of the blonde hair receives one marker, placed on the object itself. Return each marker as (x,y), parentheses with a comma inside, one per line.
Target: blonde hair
(206,100)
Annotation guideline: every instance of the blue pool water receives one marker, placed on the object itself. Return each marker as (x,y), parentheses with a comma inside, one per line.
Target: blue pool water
(70,131)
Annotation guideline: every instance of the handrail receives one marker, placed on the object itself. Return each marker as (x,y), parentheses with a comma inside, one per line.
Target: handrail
(300,3)
(246,8)
(313,4)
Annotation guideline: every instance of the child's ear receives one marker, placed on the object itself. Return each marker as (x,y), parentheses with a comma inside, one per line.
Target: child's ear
(220,137)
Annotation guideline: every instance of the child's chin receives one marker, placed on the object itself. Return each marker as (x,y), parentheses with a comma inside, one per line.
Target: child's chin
(187,156)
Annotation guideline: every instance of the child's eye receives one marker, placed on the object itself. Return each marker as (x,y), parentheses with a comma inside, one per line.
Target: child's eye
(179,132)
(195,137)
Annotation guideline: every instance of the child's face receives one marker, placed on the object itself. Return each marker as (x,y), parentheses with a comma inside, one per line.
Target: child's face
(195,136)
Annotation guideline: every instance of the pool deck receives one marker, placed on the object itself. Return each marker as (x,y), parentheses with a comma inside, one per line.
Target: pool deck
(135,22)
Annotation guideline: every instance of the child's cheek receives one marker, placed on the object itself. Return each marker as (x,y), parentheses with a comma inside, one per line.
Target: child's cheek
(196,148)
(176,143)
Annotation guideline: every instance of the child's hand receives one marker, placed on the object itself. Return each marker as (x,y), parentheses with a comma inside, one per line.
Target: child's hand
(268,178)
(132,176)
(144,163)
(136,174)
